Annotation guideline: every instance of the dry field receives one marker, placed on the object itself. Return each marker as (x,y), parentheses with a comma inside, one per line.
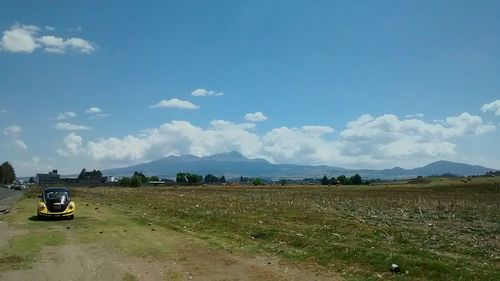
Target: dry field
(443,230)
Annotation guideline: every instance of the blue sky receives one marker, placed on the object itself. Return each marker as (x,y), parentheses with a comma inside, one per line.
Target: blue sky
(360,84)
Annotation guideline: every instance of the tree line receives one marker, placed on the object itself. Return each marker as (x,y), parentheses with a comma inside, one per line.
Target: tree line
(138,179)
(342,179)
(7,173)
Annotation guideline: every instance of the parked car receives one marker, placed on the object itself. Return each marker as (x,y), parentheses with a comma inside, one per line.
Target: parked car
(56,202)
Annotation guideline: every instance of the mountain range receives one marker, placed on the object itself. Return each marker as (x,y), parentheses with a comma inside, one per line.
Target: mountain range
(233,165)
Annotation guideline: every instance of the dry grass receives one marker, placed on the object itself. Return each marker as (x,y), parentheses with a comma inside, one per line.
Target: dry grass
(444,230)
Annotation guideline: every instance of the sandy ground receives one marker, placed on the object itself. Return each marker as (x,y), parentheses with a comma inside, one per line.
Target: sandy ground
(186,259)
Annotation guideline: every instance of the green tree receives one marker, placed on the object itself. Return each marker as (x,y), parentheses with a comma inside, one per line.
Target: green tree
(257,181)
(325,181)
(181,178)
(356,179)
(222,179)
(142,178)
(154,178)
(82,174)
(342,179)
(187,178)
(332,181)
(210,179)
(125,181)
(135,182)
(31,180)
(194,179)
(7,173)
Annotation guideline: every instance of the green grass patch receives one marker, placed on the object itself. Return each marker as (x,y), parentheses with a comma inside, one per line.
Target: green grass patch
(23,250)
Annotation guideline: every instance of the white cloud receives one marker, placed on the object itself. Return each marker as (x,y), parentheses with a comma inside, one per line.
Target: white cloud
(255,117)
(59,45)
(25,39)
(203,93)
(417,115)
(365,142)
(20,38)
(492,106)
(288,145)
(387,137)
(71,145)
(66,115)
(65,126)
(93,110)
(14,132)
(175,103)
(95,113)
(3,110)
(50,28)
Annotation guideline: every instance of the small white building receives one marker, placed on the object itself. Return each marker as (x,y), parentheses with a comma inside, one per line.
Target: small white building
(109,179)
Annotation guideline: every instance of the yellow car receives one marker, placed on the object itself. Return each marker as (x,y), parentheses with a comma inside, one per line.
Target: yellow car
(56,202)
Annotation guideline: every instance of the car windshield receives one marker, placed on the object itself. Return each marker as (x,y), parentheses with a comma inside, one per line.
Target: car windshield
(56,195)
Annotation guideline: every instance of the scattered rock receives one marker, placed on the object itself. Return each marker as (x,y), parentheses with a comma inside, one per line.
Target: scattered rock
(100,232)
(125,230)
(87,204)
(67,227)
(153,229)
(96,208)
(150,224)
(395,268)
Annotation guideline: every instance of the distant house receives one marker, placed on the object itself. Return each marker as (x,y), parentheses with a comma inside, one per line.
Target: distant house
(51,178)
(109,179)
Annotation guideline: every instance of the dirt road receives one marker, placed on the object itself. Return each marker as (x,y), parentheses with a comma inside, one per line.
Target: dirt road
(102,245)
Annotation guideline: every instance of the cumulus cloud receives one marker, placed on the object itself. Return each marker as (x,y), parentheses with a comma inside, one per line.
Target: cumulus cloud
(417,115)
(65,126)
(95,112)
(255,117)
(173,138)
(66,115)
(175,103)
(3,110)
(59,45)
(14,132)
(387,136)
(307,143)
(493,106)
(71,145)
(204,93)
(26,39)
(365,142)
(20,38)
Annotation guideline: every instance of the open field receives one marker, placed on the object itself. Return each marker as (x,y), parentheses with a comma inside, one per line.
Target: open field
(444,230)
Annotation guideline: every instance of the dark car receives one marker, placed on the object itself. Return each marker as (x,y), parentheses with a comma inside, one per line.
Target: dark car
(56,202)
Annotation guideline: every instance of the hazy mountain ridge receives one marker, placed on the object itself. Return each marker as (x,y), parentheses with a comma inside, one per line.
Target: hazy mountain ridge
(233,164)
